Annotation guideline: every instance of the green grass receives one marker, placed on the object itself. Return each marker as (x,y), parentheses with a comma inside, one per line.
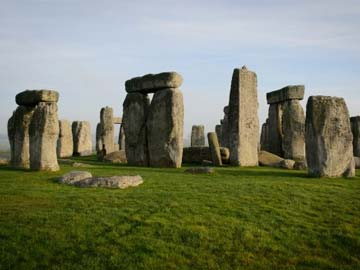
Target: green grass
(238,218)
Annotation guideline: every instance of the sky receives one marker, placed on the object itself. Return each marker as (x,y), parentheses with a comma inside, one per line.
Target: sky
(87,49)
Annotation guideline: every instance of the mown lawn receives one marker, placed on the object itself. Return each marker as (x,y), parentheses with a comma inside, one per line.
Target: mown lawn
(238,218)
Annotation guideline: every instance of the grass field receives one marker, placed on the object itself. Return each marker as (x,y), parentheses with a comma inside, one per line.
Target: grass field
(238,218)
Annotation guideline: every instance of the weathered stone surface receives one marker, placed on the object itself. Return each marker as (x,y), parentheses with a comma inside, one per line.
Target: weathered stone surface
(200,170)
(98,146)
(122,138)
(264,137)
(81,131)
(117,120)
(117,157)
(33,97)
(225,128)
(18,133)
(355,128)
(287,164)
(65,144)
(225,155)
(293,130)
(275,129)
(289,92)
(300,165)
(153,82)
(43,133)
(214,148)
(329,149)
(121,182)
(72,177)
(107,129)
(243,119)
(165,128)
(269,159)
(218,133)
(197,135)
(135,114)
(357,162)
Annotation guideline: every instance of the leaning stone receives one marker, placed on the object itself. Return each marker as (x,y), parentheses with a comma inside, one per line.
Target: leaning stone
(269,159)
(82,138)
(200,170)
(355,128)
(289,92)
(33,97)
(153,82)
(293,130)
(72,177)
(135,113)
(329,148)
(165,128)
(197,136)
(18,133)
(44,132)
(214,148)
(117,157)
(243,119)
(121,182)
(65,145)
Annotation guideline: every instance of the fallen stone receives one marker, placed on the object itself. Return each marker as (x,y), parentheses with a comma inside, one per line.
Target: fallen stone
(214,148)
(269,159)
(329,140)
(72,177)
(121,182)
(197,136)
(289,92)
(33,97)
(117,157)
(287,164)
(200,170)
(82,138)
(153,82)
(65,144)
(243,119)
(165,128)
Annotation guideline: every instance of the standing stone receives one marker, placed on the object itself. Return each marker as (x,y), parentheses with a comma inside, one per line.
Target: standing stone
(275,129)
(329,148)
(264,137)
(293,130)
(18,133)
(44,132)
(99,143)
(65,141)
(81,131)
(225,128)
(214,148)
(135,113)
(197,136)
(243,119)
(218,133)
(107,129)
(122,137)
(165,128)
(355,127)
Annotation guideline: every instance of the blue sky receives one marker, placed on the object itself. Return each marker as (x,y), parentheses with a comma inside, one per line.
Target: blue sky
(87,49)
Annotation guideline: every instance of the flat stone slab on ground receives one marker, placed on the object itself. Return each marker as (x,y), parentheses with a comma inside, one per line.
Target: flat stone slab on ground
(72,177)
(287,93)
(269,159)
(200,170)
(33,97)
(117,157)
(153,82)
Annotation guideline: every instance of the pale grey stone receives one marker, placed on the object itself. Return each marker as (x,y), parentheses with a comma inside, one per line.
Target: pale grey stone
(165,128)
(287,164)
(43,133)
(151,83)
(355,128)
(197,135)
(214,148)
(121,182)
(81,131)
(33,97)
(300,165)
(243,119)
(107,135)
(269,159)
(135,114)
(329,148)
(18,133)
(72,177)
(289,92)
(117,157)
(65,144)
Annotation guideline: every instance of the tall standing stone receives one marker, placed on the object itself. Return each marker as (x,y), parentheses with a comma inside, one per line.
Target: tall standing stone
(65,144)
(355,127)
(329,148)
(135,114)
(44,132)
(107,129)
(165,128)
(18,133)
(243,119)
(275,129)
(99,143)
(224,138)
(81,131)
(214,148)
(122,137)
(197,136)
(264,137)
(218,130)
